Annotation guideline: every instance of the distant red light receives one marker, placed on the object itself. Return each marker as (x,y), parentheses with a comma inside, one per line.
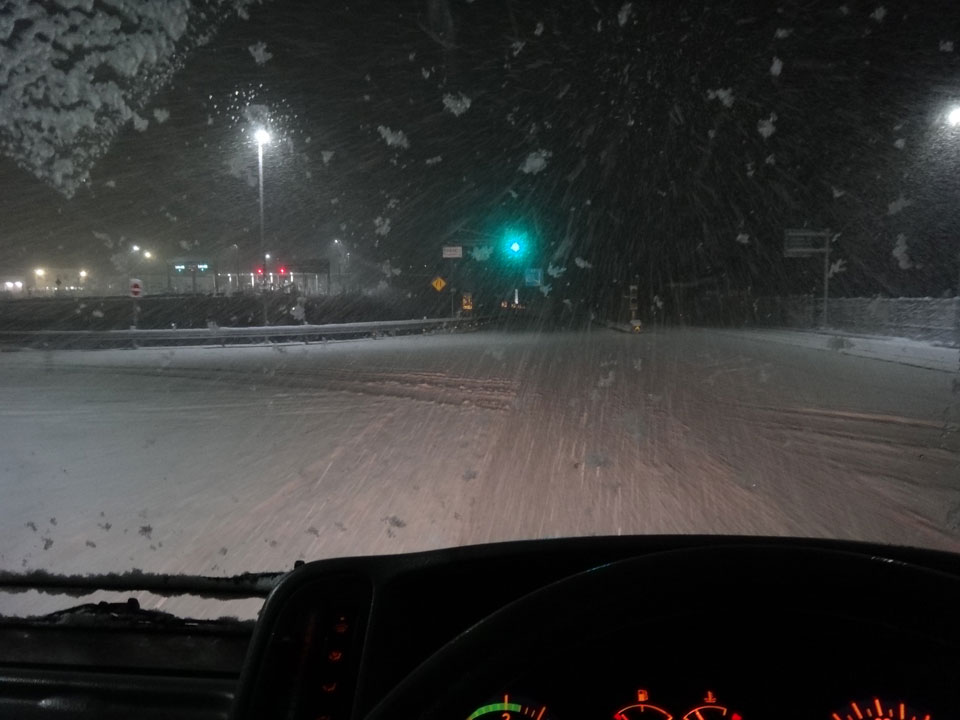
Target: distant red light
(283,271)
(259,271)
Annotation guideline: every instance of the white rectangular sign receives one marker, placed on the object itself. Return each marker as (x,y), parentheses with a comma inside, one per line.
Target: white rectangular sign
(453,251)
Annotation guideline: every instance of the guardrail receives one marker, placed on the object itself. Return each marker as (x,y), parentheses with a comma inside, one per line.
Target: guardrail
(66,339)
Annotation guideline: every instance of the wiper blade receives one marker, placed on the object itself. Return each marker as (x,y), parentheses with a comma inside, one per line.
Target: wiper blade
(127,614)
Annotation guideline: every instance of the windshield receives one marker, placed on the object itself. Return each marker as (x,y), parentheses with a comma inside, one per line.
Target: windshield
(286,281)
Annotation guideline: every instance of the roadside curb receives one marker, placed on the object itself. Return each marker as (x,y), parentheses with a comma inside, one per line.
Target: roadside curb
(897,350)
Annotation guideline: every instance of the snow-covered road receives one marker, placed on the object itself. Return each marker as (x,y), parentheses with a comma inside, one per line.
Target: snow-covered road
(214,461)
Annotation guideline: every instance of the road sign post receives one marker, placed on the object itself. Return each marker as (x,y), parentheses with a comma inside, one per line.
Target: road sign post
(136,290)
(805,243)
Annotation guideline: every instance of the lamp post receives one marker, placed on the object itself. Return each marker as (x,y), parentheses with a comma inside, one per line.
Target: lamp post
(262,137)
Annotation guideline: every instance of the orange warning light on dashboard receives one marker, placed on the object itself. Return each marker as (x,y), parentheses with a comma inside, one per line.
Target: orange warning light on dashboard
(710,697)
(642,696)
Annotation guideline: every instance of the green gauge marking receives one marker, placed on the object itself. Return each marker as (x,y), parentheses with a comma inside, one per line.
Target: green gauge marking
(496,707)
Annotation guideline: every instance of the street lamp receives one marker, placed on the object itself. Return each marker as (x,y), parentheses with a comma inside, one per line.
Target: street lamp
(262,137)
(40,272)
(135,248)
(147,254)
(953,117)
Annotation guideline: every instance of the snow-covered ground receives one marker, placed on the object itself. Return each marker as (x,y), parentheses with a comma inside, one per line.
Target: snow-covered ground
(224,460)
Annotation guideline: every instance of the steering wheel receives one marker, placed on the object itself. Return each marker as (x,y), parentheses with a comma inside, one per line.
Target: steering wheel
(646,589)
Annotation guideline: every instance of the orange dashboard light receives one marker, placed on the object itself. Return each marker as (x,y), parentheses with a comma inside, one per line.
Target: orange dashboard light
(710,698)
(642,696)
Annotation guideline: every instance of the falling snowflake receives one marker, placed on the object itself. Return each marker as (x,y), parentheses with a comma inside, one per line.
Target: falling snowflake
(140,123)
(783,33)
(538,31)
(535,162)
(776,67)
(766,126)
(425,73)
(259,52)
(743,238)
(901,203)
(516,47)
(837,192)
(879,14)
(626,10)
(581,263)
(456,104)
(901,253)
(111,183)
(946,46)
(327,156)
(899,143)
(836,267)
(381,225)
(481,253)
(393,138)
(161,115)
(555,271)
(434,160)
(724,95)
(770,159)
(545,289)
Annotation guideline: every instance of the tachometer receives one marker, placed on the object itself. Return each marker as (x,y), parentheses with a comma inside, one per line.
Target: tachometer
(877,709)
(510,709)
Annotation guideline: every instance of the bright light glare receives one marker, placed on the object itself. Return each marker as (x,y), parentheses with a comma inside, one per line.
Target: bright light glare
(261,136)
(40,272)
(83,273)
(135,248)
(8,285)
(267,256)
(18,284)
(953,117)
(147,254)
(515,246)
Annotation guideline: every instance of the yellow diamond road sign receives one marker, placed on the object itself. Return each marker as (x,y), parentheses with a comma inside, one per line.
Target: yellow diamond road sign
(439,283)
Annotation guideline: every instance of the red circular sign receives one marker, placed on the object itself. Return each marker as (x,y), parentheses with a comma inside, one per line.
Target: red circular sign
(136,289)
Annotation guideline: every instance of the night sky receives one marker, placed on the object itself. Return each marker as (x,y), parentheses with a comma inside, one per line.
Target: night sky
(835,118)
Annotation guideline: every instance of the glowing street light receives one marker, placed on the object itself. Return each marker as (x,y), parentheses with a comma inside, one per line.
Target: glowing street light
(40,272)
(147,254)
(83,273)
(953,117)
(135,248)
(262,137)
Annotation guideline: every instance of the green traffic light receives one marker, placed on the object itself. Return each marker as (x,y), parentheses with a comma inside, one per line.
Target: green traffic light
(515,242)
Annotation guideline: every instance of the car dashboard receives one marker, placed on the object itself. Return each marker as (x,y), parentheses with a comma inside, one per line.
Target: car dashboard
(636,628)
